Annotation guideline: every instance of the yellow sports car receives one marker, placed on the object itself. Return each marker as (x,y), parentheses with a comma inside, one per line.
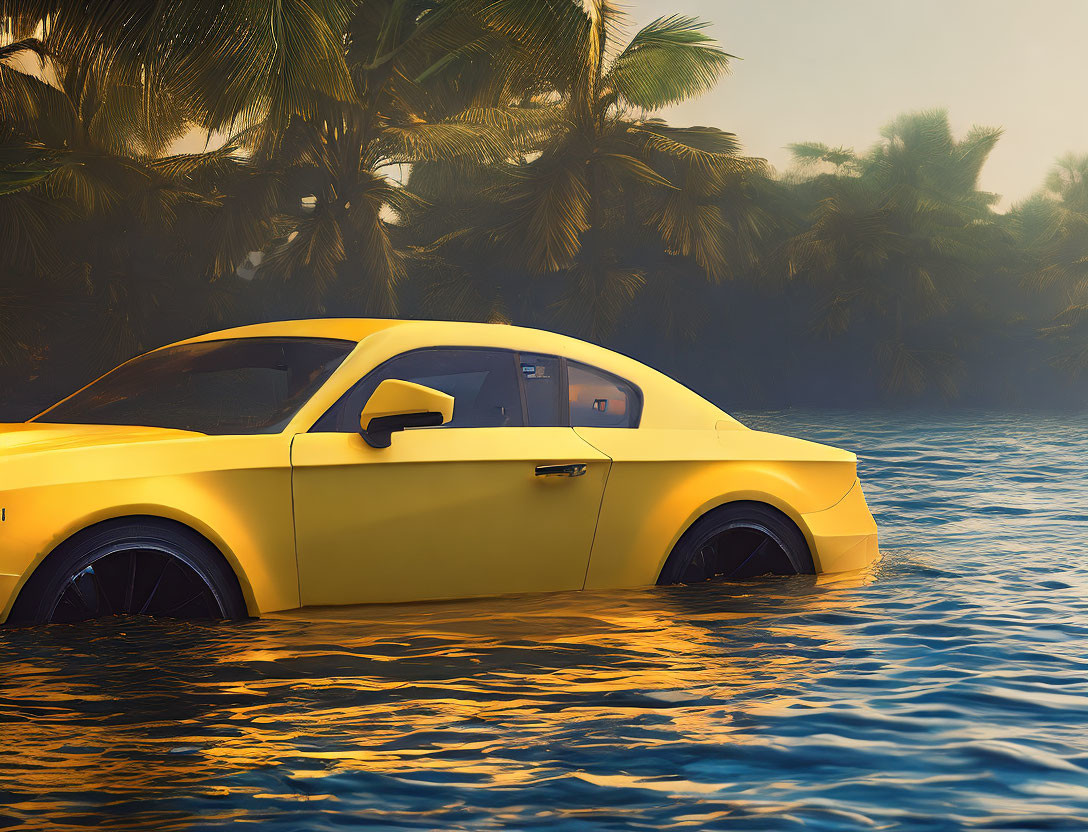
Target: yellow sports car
(347,461)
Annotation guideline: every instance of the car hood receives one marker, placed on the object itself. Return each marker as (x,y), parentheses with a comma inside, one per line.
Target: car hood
(34,437)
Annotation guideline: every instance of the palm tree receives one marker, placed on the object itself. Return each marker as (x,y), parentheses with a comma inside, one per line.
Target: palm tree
(255,63)
(343,214)
(97,226)
(1052,231)
(896,237)
(77,188)
(323,96)
(608,176)
(116,83)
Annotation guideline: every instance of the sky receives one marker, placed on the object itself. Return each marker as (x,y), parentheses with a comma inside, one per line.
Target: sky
(835,71)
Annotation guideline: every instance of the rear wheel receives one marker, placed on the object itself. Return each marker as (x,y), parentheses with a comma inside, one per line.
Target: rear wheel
(131,568)
(737,541)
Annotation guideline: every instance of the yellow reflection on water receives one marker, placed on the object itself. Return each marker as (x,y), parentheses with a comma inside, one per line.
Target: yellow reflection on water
(466,689)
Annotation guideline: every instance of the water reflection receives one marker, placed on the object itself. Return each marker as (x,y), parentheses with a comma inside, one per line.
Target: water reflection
(946,683)
(131,714)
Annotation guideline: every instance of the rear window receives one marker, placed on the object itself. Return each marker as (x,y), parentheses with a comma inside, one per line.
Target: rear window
(601,400)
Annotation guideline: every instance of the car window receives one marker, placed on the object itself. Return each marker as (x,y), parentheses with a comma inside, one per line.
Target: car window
(540,378)
(601,400)
(483,384)
(232,386)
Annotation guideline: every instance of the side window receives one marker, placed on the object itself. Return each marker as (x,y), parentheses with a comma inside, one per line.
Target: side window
(540,378)
(601,400)
(483,383)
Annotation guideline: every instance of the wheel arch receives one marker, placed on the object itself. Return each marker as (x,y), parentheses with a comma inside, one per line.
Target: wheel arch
(747,497)
(141,514)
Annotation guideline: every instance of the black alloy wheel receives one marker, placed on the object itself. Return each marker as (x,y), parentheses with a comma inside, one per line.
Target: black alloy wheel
(735,542)
(149,567)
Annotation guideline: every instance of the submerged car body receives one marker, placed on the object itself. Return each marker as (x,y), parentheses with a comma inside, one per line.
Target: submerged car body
(584,471)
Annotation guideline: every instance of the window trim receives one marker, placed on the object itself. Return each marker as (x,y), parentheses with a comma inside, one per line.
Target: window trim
(515,357)
(564,385)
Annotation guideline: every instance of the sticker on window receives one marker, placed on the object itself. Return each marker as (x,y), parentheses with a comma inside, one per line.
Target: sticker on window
(600,405)
(534,371)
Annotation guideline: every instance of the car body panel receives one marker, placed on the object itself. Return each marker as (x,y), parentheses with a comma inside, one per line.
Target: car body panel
(235,490)
(844,536)
(347,329)
(441,513)
(30,437)
(662,481)
(446,513)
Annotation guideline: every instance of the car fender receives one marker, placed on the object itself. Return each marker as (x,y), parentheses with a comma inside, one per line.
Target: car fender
(663,481)
(136,512)
(236,493)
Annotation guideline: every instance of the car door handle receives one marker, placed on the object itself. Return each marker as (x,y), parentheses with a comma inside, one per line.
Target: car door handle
(573,469)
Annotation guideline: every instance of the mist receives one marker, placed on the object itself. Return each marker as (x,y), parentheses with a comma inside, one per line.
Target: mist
(867,269)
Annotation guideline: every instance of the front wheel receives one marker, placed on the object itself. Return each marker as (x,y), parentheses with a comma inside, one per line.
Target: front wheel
(737,541)
(131,568)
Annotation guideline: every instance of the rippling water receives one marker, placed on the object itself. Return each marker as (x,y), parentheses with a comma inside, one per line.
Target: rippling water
(945,689)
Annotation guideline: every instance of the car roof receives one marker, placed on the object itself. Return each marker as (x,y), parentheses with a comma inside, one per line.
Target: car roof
(360,329)
(413,333)
(665,401)
(347,329)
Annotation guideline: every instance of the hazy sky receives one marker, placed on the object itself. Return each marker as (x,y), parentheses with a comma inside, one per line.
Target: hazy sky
(837,70)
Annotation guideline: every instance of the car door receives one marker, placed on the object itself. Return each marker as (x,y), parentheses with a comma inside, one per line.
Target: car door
(475,507)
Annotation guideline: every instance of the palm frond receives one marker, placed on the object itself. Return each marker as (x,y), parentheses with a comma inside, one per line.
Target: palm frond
(907,371)
(526,127)
(447,140)
(622,167)
(24,164)
(552,33)
(666,62)
(126,124)
(95,182)
(17,47)
(811,153)
(36,109)
(29,225)
(260,63)
(216,164)
(550,206)
(704,148)
(451,291)
(376,269)
(312,249)
(691,226)
(596,294)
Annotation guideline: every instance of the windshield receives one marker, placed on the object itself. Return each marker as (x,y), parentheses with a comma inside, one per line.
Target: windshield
(238,386)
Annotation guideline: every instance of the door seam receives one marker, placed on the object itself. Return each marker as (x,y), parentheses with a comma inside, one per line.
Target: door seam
(294,518)
(600,506)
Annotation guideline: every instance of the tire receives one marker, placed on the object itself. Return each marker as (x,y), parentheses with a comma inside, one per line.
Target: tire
(139,566)
(738,541)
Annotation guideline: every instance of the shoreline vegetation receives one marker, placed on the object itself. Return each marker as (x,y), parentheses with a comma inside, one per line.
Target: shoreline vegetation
(501,160)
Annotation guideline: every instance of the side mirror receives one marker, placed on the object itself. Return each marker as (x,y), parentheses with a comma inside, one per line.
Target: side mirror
(396,405)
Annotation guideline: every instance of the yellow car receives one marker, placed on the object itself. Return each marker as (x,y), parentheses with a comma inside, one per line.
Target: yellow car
(347,461)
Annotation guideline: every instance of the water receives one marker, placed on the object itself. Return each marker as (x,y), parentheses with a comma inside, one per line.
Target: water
(944,689)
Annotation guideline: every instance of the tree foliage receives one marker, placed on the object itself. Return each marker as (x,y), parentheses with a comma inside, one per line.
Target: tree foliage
(499,160)
(900,237)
